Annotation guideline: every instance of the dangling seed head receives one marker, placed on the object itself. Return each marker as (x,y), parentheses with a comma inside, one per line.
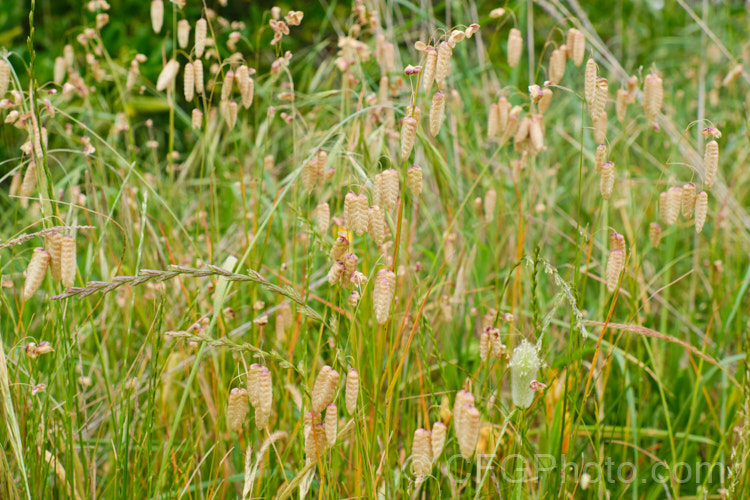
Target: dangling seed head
(408,135)
(536,133)
(335,273)
(438,439)
(376,224)
(616,241)
(197,118)
(315,442)
(265,398)
(352,391)
(653,97)
(324,389)
(688,200)
(710,163)
(382,295)
(331,424)
(237,408)
(515,46)
(421,452)
(68,264)
(621,104)
(590,82)
(496,342)
(545,101)
(198,75)
(226,88)
(701,209)
(600,157)
(53,245)
(437,112)
(524,367)
(578,49)
(601,95)
(4,77)
(607,181)
(340,246)
(353,298)
(201,27)
(556,66)
(469,431)
(600,128)
(167,75)
(35,272)
(615,264)
(230,113)
(157,15)
(484,345)
(463,398)
(443,64)
(189,82)
(322,217)
(654,234)
(492,121)
(674,200)
(430,64)
(253,388)
(183,33)
(389,190)
(414,180)
(490,199)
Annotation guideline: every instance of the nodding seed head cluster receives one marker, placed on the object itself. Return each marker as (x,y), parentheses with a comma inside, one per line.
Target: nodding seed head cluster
(385,189)
(556,66)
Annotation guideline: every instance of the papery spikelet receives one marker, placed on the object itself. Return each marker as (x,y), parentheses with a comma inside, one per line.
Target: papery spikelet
(265,398)
(663,207)
(189,82)
(350,266)
(183,33)
(616,241)
(331,424)
(443,64)
(324,389)
(237,408)
(242,75)
(556,66)
(674,200)
(688,200)
(490,199)
(710,163)
(444,411)
(522,133)
(437,112)
(545,100)
(600,128)
(621,104)
(353,298)
(590,82)
(157,15)
(469,431)
(360,215)
(68,264)
(414,179)
(315,442)
(497,348)
(654,234)
(492,121)
(4,77)
(615,263)
(524,367)
(515,46)
(349,202)
(53,245)
(197,118)
(382,295)
(463,398)
(340,246)
(310,173)
(226,88)
(201,27)
(253,387)
(322,217)
(430,64)
(198,75)
(167,75)
(536,133)
(335,273)
(503,114)
(59,73)
(600,157)
(389,190)
(484,345)
(35,272)
(376,224)
(607,181)
(578,49)
(321,165)
(601,94)
(438,439)
(408,135)
(421,452)
(653,96)
(230,113)
(701,209)
(352,390)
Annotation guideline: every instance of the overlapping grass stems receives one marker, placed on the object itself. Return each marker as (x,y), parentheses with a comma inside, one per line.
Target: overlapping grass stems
(555,273)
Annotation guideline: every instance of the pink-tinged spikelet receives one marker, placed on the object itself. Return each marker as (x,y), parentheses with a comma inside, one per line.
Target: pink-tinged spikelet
(35,272)
(621,104)
(382,295)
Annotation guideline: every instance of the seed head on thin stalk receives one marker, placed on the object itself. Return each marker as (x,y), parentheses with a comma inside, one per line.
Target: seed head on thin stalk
(167,75)
(315,442)
(484,345)
(653,96)
(576,46)
(68,265)
(654,234)
(469,431)
(331,424)
(621,104)
(4,77)
(522,133)
(352,390)
(710,163)
(615,264)
(607,181)
(556,66)
(600,157)
(463,398)
(437,112)
(430,64)
(590,82)
(253,392)
(524,367)
(536,133)
(183,33)
(414,179)
(701,209)
(382,295)
(600,128)
(503,114)
(421,452)
(443,64)
(201,27)
(601,94)
(408,136)
(492,121)
(674,201)
(545,100)
(189,81)
(28,184)
(335,273)
(324,389)
(35,272)
(230,112)
(515,47)
(438,439)
(196,119)
(226,88)
(616,241)
(265,398)
(340,246)
(198,74)
(360,214)
(322,217)
(490,199)
(389,190)
(237,408)
(497,348)
(376,224)
(53,245)
(157,15)
(688,200)
(245,85)
(353,298)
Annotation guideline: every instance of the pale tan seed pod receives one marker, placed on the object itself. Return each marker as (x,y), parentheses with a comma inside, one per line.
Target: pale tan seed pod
(321,165)
(183,33)
(615,264)
(352,390)
(28,184)
(601,94)
(167,75)
(59,72)
(353,298)
(310,173)
(376,224)
(230,113)
(589,88)
(484,345)
(324,389)
(503,114)
(437,112)
(189,82)
(15,185)
(621,104)
(349,201)
(315,442)
(4,77)
(414,179)
(35,272)
(490,200)
(322,217)
(463,398)
(536,133)
(201,27)
(663,207)
(515,47)
(607,181)
(198,76)
(331,424)
(674,200)
(335,273)
(497,348)
(701,209)
(654,234)
(246,85)
(361,214)
(421,452)
(578,49)
(439,431)
(469,432)
(265,398)
(545,101)
(237,408)
(279,328)
(377,189)
(157,15)
(340,246)
(68,264)
(350,266)
(522,133)
(492,121)
(710,163)
(653,96)
(430,64)
(616,241)
(556,66)
(197,118)
(408,136)
(600,157)
(226,89)
(389,190)
(53,245)
(600,128)
(253,388)
(688,200)
(443,64)
(382,295)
